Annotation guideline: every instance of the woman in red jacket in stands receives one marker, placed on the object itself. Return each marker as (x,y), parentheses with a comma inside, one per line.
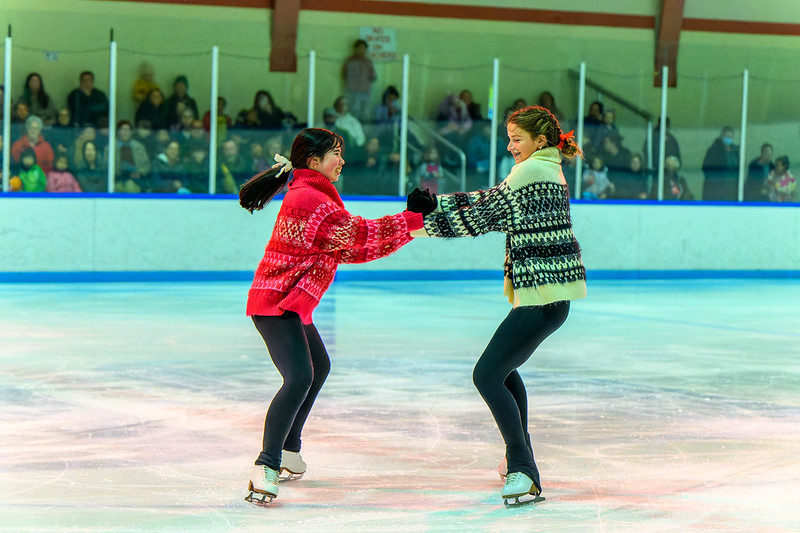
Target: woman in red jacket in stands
(312,235)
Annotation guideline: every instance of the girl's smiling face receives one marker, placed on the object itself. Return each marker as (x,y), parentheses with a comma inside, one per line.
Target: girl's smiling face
(521,144)
(331,164)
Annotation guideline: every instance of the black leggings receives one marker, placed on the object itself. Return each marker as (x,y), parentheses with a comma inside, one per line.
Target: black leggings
(500,385)
(300,356)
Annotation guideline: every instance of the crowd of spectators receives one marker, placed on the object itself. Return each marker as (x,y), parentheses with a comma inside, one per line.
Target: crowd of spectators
(61,145)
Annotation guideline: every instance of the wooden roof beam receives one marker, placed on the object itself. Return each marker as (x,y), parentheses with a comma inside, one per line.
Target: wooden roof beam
(285,20)
(668,35)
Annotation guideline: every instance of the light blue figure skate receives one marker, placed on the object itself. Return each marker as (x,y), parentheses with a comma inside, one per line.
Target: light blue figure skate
(518,485)
(263,483)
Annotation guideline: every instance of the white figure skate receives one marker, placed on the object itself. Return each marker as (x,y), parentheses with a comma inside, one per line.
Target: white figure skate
(263,485)
(292,466)
(518,485)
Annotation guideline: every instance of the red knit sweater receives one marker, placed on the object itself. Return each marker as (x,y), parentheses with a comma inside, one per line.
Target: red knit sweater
(313,234)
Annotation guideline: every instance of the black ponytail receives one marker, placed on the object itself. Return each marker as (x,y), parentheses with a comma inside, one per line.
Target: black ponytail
(262,188)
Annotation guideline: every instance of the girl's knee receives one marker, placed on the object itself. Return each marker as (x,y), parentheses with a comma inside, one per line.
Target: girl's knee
(484,379)
(300,382)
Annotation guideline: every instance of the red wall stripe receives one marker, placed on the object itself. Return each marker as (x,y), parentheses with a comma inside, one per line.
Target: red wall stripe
(740,26)
(507,14)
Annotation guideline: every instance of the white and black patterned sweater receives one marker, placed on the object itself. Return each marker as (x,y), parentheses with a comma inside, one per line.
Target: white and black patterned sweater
(531,206)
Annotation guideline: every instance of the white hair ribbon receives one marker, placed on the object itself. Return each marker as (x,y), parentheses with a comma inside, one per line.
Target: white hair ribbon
(284,163)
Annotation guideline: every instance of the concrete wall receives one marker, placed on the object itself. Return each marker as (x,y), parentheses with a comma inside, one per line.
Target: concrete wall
(86,236)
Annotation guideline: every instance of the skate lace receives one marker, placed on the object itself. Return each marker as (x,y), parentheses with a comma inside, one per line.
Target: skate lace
(513,478)
(269,475)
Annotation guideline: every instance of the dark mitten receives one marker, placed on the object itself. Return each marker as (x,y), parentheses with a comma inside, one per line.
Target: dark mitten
(421,201)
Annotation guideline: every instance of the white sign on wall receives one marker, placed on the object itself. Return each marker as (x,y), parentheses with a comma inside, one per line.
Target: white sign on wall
(382,42)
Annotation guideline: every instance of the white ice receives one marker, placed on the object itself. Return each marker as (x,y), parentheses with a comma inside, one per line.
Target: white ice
(658,406)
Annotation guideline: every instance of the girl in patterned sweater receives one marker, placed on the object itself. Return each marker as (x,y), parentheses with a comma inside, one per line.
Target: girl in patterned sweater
(312,235)
(543,272)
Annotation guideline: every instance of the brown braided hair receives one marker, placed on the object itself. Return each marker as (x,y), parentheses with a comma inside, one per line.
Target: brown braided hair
(537,121)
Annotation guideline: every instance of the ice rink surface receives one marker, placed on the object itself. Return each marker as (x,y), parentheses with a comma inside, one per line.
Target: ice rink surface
(658,406)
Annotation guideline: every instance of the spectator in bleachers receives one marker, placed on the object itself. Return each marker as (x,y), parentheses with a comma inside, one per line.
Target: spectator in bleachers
(473,108)
(161,138)
(181,128)
(144,134)
(757,173)
(38,101)
(180,94)
(20,113)
(591,123)
(197,133)
(133,163)
(596,184)
(169,174)
(144,83)
(60,179)
(258,161)
(671,146)
(86,134)
(274,145)
(232,168)
(248,119)
(358,74)
(519,103)
(547,101)
(616,156)
(32,176)
(675,186)
(197,168)
(608,127)
(270,116)
(34,140)
(349,123)
(388,111)
(632,183)
(721,169)
(781,185)
(329,116)
(454,122)
(478,149)
(429,171)
(64,119)
(153,110)
(86,104)
(92,172)
(182,131)
(224,122)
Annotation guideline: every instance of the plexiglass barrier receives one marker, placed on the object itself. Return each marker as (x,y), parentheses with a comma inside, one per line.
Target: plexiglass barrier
(407,122)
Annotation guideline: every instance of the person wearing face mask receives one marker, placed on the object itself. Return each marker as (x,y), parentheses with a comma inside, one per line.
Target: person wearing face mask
(543,272)
(313,234)
(721,169)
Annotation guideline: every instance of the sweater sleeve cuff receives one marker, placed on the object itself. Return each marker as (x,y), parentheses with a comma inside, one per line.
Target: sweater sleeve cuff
(413,220)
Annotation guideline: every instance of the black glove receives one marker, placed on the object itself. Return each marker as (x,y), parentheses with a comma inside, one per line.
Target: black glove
(421,201)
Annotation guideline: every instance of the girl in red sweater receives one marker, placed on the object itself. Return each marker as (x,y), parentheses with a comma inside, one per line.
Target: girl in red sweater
(312,235)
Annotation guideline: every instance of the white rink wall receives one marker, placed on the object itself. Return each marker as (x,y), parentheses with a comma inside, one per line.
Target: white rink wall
(81,235)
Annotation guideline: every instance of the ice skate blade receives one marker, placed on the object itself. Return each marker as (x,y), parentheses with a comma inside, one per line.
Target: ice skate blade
(515,501)
(287,475)
(253,497)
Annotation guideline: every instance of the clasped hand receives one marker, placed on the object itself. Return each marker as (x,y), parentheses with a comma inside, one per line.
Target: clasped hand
(421,201)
